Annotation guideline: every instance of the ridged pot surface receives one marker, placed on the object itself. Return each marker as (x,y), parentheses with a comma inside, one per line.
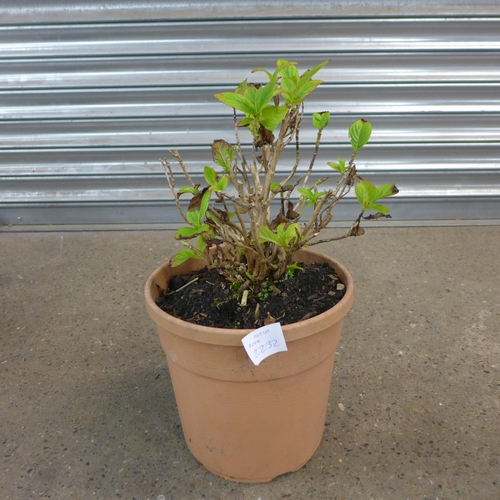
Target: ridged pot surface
(244,422)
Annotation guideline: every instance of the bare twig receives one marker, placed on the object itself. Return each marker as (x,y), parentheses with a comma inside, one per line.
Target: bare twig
(179,159)
(183,286)
(171,184)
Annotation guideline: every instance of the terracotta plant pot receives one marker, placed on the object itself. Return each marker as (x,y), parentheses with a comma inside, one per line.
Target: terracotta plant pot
(244,422)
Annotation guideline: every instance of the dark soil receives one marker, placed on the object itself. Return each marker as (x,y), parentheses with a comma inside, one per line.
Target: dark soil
(210,300)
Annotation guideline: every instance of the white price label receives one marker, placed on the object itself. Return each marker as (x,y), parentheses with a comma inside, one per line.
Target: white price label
(264,342)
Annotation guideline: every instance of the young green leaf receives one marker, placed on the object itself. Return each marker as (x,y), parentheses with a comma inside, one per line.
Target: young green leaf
(210,176)
(378,208)
(185,233)
(182,256)
(339,167)
(240,89)
(386,190)
(282,238)
(321,120)
(256,70)
(294,267)
(189,189)
(236,101)
(204,203)
(288,87)
(275,187)
(223,154)
(266,235)
(287,235)
(202,244)
(307,75)
(359,133)
(272,116)
(222,184)
(316,198)
(368,194)
(311,196)
(281,64)
(252,95)
(246,121)
(194,218)
(291,73)
(305,89)
(265,94)
(305,192)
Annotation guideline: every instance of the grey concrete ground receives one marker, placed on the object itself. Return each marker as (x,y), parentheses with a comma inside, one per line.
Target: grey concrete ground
(87,409)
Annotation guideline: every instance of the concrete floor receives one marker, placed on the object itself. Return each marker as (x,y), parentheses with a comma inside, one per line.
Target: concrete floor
(87,409)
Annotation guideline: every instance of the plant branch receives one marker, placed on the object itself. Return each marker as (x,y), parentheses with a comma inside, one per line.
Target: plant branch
(313,159)
(179,159)
(171,184)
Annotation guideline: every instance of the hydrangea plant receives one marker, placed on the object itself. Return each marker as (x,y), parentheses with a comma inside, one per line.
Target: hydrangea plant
(248,221)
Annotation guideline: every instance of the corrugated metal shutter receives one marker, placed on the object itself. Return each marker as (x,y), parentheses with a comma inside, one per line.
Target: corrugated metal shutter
(91,97)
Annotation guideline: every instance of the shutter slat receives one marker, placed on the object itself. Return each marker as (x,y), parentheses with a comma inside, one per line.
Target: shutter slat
(148,71)
(250,36)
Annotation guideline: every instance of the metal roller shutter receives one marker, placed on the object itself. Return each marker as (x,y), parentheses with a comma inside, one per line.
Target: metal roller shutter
(91,97)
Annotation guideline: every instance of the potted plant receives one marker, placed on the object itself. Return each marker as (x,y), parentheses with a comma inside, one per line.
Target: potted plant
(249,226)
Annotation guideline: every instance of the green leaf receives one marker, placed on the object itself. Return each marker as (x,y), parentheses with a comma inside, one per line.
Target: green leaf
(237,101)
(386,190)
(210,175)
(222,184)
(311,196)
(188,189)
(204,203)
(289,97)
(223,154)
(252,95)
(294,267)
(290,72)
(240,89)
(316,197)
(307,75)
(288,87)
(296,88)
(366,193)
(359,133)
(265,94)
(306,192)
(339,167)
(194,218)
(287,235)
(190,232)
(378,208)
(266,235)
(282,238)
(321,120)
(256,70)
(246,121)
(281,64)
(202,244)
(275,187)
(182,256)
(272,116)
(305,89)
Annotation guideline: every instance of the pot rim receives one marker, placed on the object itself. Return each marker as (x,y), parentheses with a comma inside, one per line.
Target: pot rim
(232,337)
